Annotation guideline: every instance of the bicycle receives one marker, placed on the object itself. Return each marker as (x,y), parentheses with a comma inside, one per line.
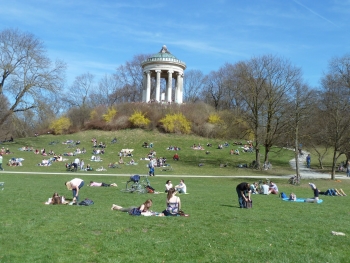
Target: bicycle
(136,184)
(101,169)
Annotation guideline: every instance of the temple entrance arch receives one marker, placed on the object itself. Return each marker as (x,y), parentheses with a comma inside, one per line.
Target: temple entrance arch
(163,65)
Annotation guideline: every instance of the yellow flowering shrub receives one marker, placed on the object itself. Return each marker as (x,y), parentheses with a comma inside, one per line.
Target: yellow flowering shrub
(176,123)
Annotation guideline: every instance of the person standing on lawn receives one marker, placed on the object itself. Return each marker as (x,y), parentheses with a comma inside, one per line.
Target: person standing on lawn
(242,189)
(308,161)
(1,162)
(151,167)
(75,186)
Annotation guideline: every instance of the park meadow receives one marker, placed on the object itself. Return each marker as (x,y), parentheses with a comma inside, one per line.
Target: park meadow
(216,230)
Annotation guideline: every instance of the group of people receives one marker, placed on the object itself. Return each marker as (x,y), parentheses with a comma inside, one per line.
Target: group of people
(264,188)
(173,203)
(75,185)
(244,191)
(173,148)
(180,188)
(197,147)
(5,151)
(234,152)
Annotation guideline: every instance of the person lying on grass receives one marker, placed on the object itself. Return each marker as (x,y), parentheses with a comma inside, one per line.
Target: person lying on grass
(292,197)
(92,183)
(145,207)
(56,199)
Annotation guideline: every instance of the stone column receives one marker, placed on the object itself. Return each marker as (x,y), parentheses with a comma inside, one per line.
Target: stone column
(177,88)
(158,85)
(148,87)
(181,84)
(169,85)
(144,87)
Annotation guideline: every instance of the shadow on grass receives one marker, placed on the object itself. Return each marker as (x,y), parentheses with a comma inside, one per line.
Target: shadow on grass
(230,206)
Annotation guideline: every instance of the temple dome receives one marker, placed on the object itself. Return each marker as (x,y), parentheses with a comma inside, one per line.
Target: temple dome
(164,55)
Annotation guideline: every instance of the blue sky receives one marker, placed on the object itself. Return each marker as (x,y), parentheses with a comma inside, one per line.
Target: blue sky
(98,36)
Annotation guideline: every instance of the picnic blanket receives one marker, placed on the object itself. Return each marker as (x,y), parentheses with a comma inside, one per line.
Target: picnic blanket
(301,200)
(127,150)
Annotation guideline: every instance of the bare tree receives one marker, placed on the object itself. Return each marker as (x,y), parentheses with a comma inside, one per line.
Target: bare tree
(335,106)
(252,94)
(300,108)
(280,77)
(215,88)
(129,78)
(193,85)
(25,71)
(104,94)
(78,98)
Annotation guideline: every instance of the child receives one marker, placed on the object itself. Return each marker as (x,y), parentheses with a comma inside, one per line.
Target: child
(292,197)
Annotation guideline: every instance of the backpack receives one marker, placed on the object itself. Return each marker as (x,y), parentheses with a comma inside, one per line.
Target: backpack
(283,195)
(86,202)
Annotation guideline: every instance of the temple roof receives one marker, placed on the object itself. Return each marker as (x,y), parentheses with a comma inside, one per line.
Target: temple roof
(164,55)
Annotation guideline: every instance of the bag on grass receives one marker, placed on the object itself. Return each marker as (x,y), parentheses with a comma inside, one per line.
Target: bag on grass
(248,204)
(135,212)
(150,189)
(86,202)
(283,195)
(182,213)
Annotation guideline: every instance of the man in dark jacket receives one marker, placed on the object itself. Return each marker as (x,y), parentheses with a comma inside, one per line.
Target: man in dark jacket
(243,189)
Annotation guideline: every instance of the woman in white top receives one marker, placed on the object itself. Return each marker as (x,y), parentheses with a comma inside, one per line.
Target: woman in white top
(168,185)
(173,203)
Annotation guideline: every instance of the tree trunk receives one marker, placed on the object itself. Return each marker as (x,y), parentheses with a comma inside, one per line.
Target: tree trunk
(333,165)
(296,152)
(320,163)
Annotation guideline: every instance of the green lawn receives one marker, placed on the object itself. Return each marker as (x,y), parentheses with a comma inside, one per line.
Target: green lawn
(216,231)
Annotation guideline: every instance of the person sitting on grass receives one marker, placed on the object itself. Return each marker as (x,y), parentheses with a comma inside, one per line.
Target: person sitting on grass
(273,188)
(88,167)
(264,189)
(181,187)
(168,185)
(145,207)
(92,183)
(176,157)
(254,187)
(173,203)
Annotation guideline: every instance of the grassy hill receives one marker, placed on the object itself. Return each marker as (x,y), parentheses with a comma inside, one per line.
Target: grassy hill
(133,139)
